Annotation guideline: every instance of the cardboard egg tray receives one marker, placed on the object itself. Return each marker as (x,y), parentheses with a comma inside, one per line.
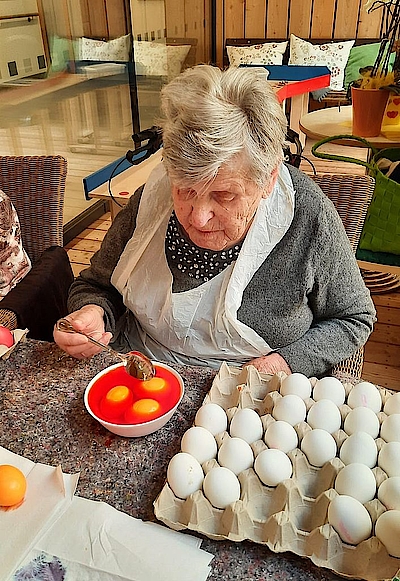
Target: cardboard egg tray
(19,335)
(292,516)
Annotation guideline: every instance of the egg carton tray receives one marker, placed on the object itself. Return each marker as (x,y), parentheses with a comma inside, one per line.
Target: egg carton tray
(292,516)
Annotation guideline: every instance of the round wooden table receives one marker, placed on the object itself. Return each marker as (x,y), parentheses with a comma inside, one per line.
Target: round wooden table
(338,121)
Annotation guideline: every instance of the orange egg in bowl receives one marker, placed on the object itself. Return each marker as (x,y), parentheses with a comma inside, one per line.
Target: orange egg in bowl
(130,407)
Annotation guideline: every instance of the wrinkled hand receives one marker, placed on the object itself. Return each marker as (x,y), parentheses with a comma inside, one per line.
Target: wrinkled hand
(88,319)
(270,364)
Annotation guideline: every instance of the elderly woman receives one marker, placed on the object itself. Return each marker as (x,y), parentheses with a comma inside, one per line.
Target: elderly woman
(227,254)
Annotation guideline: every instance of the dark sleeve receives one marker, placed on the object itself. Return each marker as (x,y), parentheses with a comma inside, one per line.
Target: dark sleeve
(40,298)
(93,285)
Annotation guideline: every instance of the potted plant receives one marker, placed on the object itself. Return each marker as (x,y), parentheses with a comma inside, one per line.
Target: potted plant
(370,93)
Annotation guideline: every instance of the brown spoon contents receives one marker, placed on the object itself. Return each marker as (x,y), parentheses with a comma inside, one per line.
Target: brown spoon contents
(137,364)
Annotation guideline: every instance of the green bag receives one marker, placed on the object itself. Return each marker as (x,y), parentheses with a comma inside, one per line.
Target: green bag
(381,230)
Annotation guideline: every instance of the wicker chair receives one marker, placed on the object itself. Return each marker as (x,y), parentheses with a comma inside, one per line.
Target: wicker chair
(351,196)
(36,186)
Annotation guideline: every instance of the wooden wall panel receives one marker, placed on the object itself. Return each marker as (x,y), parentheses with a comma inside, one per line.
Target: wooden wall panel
(194,24)
(255,17)
(323,16)
(116,22)
(97,19)
(234,18)
(174,18)
(300,18)
(369,24)
(277,19)
(346,20)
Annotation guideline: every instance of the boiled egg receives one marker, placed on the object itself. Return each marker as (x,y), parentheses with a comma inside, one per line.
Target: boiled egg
(390,428)
(359,447)
(387,529)
(329,388)
(356,480)
(365,394)
(281,435)
(362,419)
(324,414)
(389,493)
(246,424)
(184,475)
(389,458)
(221,486)
(6,337)
(212,417)
(350,519)
(200,443)
(12,486)
(290,408)
(392,405)
(235,454)
(319,446)
(272,466)
(296,384)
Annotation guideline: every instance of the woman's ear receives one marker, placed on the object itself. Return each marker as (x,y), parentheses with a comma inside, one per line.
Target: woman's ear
(272,181)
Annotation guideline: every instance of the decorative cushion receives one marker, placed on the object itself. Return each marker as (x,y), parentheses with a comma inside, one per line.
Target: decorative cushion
(14,262)
(269,53)
(159,59)
(333,55)
(100,50)
(360,57)
(62,50)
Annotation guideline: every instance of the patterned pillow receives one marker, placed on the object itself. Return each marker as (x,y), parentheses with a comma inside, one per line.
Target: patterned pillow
(158,59)
(333,55)
(14,262)
(269,53)
(100,50)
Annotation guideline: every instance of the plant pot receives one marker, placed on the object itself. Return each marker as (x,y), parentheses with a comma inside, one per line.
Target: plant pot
(368,109)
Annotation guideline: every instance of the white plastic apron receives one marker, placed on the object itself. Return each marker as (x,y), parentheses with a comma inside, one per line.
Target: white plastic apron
(199,325)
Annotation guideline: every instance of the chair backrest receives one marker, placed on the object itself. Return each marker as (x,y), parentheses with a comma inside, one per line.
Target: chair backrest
(36,186)
(351,196)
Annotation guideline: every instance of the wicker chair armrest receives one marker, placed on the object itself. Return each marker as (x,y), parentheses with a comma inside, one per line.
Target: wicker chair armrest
(351,367)
(8,319)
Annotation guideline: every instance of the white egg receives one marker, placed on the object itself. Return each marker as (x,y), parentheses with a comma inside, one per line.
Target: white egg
(236,455)
(329,388)
(362,420)
(200,443)
(212,417)
(290,408)
(281,435)
(272,467)
(324,414)
(356,480)
(389,493)
(319,447)
(221,486)
(350,519)
(184,475)
(389,458)
(387,529)
(359,447)
(390,428)
(392,405)
(365,394)
(246,424)
(296,384)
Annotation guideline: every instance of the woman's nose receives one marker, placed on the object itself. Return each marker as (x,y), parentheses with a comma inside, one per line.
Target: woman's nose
(201,213)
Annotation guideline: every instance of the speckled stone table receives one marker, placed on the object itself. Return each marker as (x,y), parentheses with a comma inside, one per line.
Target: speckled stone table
(42,417)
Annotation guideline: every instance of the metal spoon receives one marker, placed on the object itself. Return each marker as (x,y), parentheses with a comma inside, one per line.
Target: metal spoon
(137,364)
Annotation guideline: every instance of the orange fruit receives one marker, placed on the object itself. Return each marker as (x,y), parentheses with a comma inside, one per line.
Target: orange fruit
(12,485)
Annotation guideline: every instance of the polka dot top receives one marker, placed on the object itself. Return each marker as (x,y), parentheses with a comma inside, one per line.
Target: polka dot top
(189,264)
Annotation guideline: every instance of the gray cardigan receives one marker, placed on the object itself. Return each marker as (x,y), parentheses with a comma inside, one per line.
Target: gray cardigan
(308,299)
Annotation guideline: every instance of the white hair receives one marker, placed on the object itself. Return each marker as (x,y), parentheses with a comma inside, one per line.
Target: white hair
(212,117)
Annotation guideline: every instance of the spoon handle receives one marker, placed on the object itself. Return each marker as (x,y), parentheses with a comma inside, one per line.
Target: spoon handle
(67,327)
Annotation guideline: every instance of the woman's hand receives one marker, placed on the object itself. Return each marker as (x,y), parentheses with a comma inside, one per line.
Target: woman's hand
(270,364)
(88,319)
